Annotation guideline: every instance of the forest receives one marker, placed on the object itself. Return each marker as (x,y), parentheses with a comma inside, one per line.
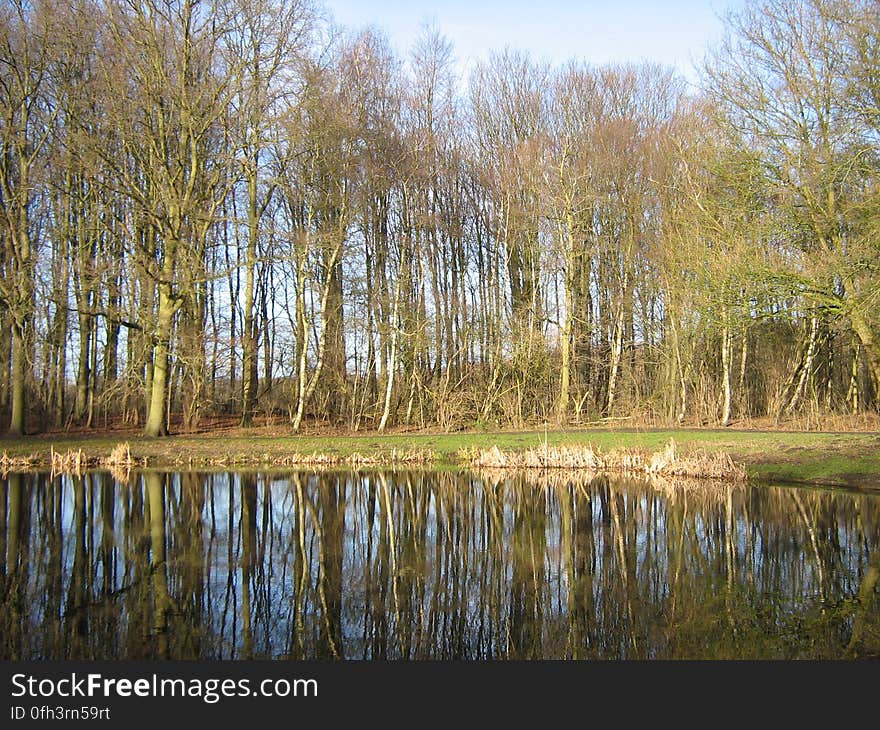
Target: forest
(235,209)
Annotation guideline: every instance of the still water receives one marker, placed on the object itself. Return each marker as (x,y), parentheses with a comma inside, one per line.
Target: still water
(432,565)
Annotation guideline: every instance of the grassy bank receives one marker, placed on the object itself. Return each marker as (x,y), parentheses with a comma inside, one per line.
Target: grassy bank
(851,459)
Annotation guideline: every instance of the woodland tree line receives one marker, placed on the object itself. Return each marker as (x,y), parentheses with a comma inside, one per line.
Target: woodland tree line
(229,207)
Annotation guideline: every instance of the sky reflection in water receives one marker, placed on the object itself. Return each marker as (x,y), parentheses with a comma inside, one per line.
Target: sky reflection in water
(432,565)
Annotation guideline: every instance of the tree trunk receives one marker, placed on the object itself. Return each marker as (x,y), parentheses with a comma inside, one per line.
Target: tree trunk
(565,371)
(392,360)
(726,347)
(616,356)
(156,416)
(83,373)
(307,388)
(5,363)
(870,348)
(17,385)
(807,369)
(566,329)
(335,339)
(741,383)
(248,339)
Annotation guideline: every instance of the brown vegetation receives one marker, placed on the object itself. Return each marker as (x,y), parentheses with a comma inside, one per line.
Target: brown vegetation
(70,462)
(121,462)
(405,457)
(16,463)
(667,463)
(75,461)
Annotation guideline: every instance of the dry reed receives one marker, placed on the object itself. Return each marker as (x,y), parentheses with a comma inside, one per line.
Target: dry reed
(703,491)
(70,462)
(16,463)
(667,462)
(119,462)
(404,457)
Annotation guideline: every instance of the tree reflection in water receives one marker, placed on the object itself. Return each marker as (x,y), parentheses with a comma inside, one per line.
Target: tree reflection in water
(423,565)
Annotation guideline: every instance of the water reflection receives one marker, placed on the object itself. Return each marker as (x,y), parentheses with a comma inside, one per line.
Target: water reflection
(432,565)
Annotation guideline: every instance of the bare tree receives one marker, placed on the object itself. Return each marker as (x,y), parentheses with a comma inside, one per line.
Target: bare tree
(164,58)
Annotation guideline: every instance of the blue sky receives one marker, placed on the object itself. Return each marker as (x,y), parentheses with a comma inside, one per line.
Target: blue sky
(674,32)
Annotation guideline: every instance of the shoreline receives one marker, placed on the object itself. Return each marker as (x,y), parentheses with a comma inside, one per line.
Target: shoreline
(850,459)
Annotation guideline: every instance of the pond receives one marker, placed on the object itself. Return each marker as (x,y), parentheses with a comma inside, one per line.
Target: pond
(432,565)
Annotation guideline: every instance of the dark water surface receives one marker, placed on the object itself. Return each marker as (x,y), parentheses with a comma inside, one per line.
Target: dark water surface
(432,565)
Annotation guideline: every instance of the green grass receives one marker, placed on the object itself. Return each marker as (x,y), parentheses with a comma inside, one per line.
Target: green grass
(811,457)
